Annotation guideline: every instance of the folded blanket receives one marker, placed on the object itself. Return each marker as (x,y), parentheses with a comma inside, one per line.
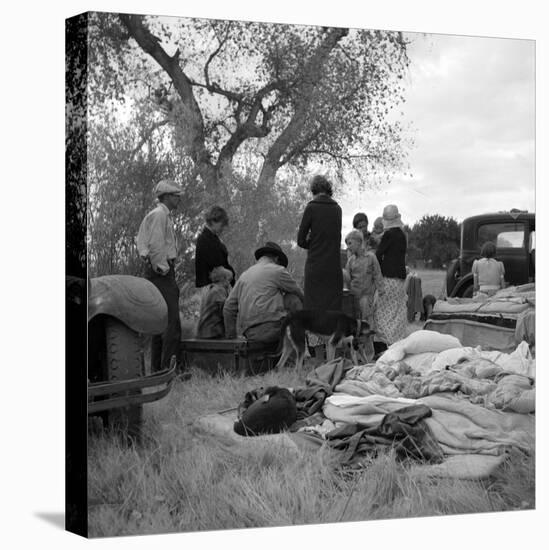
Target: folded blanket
(367,380)
(463,427)
(460,427)
(367,411)
(514,392)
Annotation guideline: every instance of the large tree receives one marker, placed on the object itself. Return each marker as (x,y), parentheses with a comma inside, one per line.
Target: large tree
(291,94)
(236,112)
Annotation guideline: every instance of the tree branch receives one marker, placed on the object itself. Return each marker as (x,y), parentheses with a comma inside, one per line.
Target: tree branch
(249,128)
(147,135)
(182,84)
(216,89)
(311,74)
(213,54)
(299,147)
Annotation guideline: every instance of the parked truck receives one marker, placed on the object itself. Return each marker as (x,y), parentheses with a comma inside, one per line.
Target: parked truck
(513,233)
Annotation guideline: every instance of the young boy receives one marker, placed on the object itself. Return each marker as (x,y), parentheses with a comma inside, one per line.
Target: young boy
(362,274)
(210,324)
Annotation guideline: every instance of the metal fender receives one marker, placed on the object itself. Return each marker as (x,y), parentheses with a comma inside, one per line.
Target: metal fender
(133,300)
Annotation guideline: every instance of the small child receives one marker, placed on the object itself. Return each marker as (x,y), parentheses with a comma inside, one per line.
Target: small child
(210,323)
(362,274)
(377,232)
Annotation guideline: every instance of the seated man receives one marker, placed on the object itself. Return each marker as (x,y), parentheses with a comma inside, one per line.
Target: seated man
(257,300)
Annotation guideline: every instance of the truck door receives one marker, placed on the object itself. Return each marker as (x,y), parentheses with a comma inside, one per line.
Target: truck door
(511,247)
(532,251)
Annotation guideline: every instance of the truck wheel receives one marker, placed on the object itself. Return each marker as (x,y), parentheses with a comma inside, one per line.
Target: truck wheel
(467,292)
(123,361)
(451,276)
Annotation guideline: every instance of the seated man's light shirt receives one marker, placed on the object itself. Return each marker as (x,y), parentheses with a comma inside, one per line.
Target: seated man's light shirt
(257,297)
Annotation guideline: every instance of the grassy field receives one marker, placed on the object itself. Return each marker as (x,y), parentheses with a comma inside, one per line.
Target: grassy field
(176,481)
(432,281)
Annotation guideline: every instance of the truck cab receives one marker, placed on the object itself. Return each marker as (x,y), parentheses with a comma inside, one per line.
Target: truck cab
(513,233)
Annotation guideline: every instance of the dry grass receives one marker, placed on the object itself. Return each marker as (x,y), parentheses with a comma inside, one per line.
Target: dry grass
(176,482)
(432,281)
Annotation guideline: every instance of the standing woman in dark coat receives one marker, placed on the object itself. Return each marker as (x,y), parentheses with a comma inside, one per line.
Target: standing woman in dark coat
(211,252)
(320,234)
(390,309)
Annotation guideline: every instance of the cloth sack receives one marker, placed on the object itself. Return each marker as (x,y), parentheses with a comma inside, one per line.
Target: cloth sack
(273,412)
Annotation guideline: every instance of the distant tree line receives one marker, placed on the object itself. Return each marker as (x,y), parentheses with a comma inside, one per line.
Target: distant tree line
(433,241)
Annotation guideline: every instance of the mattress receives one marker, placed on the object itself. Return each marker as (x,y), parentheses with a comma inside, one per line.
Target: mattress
(489,322)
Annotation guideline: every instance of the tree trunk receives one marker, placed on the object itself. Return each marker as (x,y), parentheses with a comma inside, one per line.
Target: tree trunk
(194,122)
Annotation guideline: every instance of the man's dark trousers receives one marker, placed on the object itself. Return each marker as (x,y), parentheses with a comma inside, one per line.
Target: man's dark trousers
(167,344)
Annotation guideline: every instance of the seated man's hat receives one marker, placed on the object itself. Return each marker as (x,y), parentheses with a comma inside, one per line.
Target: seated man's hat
(272,248)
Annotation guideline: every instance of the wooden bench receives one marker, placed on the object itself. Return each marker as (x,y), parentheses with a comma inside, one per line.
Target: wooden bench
(238,355)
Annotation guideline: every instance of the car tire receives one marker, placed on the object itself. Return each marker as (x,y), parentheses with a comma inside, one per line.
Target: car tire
(124,361)
(451,280)
(467,292)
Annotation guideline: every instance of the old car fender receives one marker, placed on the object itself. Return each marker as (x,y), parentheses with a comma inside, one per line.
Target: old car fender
(452,276)
(133,300)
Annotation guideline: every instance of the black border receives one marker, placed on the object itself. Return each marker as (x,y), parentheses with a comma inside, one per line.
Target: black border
(76,68)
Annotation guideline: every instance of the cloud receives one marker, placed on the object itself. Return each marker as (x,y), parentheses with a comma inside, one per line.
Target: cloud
(471,106)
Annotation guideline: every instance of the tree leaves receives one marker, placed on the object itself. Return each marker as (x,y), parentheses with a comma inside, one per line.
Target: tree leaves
(435,238)
(326,97)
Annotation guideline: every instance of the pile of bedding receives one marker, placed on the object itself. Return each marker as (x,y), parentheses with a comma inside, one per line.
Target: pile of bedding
(452,410)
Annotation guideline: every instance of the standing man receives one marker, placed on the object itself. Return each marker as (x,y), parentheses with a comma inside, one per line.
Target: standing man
(157,247)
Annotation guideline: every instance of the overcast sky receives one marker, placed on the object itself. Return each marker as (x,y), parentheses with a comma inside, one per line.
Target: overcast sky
(471,105)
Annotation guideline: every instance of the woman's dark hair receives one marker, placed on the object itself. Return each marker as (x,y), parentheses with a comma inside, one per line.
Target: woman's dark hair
(217,214)
(320,184)
(360,217)
(488,250)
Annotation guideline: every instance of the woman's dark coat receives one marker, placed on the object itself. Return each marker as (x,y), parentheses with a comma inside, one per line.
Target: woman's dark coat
(210,253)
(391,253)
(320,233)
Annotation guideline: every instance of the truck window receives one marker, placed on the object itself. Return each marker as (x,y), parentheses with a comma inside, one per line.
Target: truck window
(505,235)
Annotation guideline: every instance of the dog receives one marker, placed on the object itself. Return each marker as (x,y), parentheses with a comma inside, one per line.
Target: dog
(428,304)
(341,329)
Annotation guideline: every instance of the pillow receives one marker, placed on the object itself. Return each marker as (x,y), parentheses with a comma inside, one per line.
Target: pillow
(452,356)
(420,341)
(429,340)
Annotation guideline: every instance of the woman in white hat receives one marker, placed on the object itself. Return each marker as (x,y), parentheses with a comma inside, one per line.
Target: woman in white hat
(390,312)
